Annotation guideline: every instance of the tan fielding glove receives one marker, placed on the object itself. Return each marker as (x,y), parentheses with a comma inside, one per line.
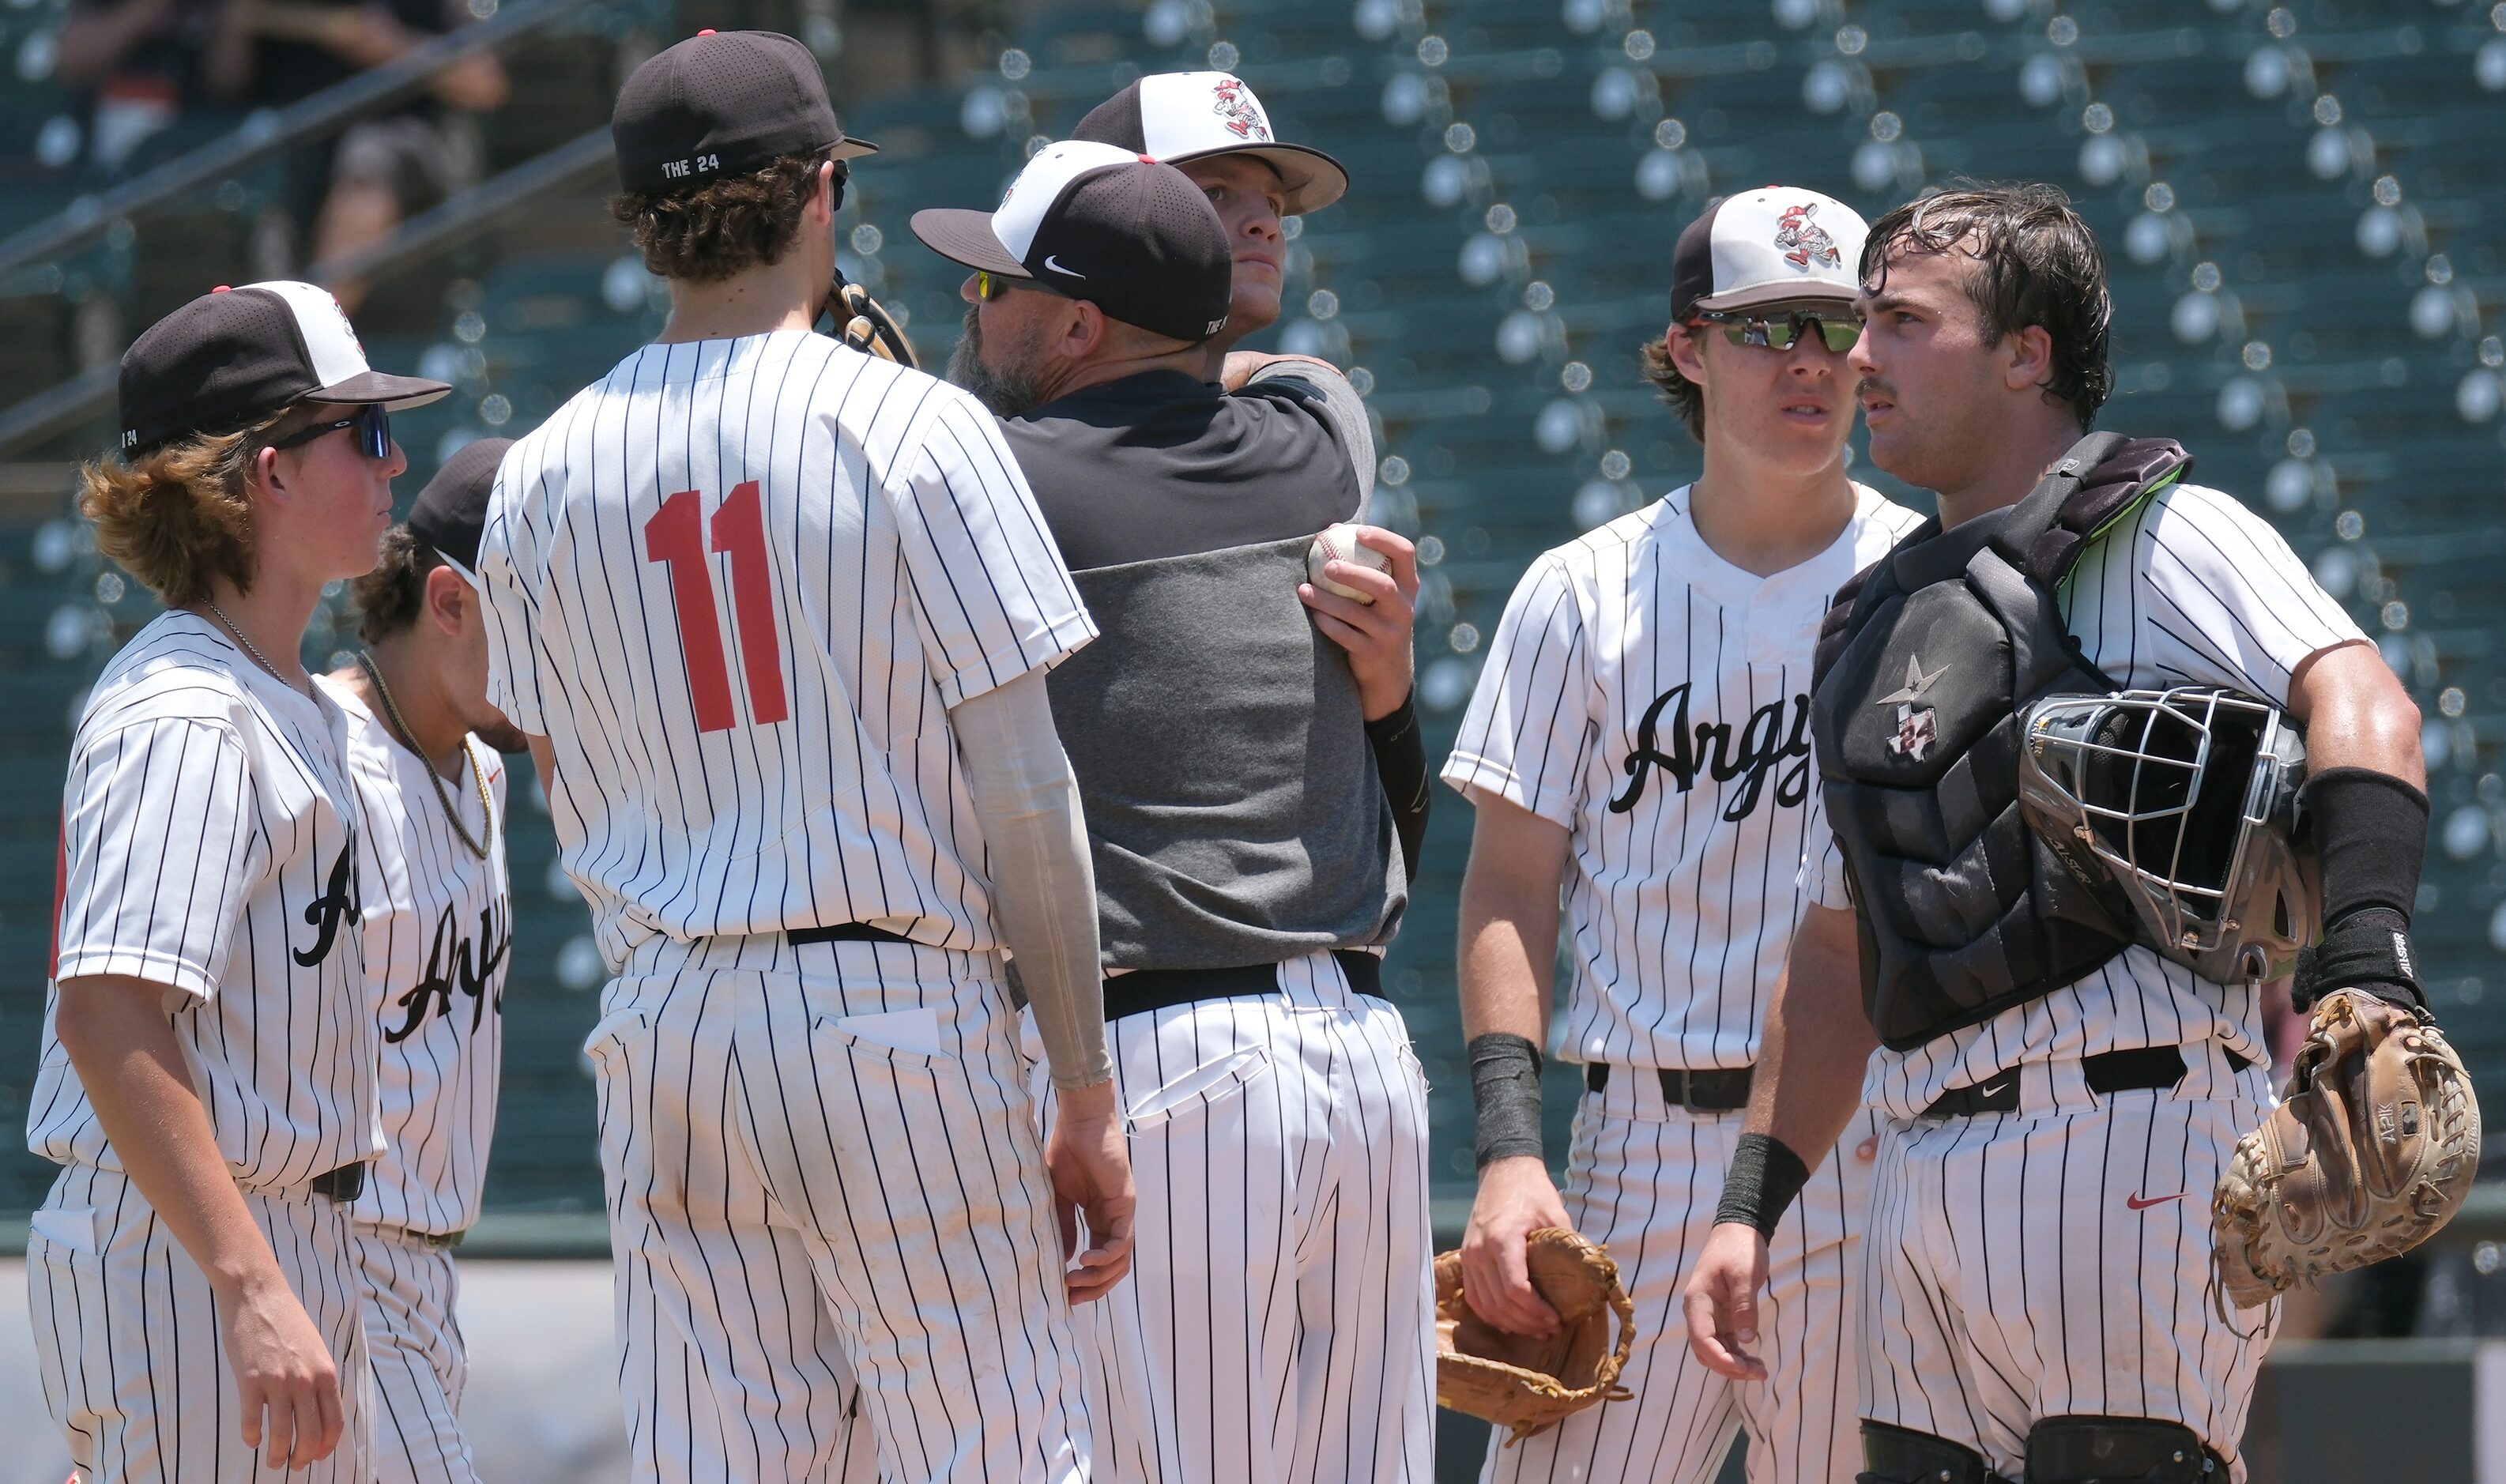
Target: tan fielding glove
(1529,1384)
(865,325)
(2372,1149)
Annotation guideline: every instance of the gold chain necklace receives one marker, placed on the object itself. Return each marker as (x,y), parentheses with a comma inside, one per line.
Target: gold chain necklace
(400,730)
(249,647)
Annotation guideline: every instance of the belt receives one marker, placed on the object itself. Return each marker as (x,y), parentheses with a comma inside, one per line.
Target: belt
(2107,1072)
(842,933)
(1144,990)
(342,1184)
(1708,1089)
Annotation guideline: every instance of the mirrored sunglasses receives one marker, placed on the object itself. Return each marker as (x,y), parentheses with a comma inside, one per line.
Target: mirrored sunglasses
(374,432)
(1782,332)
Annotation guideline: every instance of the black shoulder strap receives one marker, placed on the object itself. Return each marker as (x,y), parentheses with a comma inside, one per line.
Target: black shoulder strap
(2104,478)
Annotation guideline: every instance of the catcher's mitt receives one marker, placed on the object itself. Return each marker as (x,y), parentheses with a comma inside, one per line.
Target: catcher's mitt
(865,325)
(2371,1149)
(1529,1384)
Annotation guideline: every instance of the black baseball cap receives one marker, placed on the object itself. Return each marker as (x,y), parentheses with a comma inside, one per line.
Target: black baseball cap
(723,103)
(1779,244)
(453,508)
(1135,237)
(1176,117)
(233,357)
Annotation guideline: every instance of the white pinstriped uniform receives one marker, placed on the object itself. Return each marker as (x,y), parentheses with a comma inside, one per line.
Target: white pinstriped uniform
(439,932)
(2057,1259)
(209,844)
(1653,699)
(737,584)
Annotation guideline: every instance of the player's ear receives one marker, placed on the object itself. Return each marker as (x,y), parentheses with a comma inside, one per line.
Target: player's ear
(1084,329)
(2026,357)
(448,599)
(1686,352)
(822,196)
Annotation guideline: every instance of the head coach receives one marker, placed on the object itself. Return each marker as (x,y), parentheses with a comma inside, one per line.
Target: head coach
(1248,865)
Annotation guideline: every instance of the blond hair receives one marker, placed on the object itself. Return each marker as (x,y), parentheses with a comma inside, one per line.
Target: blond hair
(178,517)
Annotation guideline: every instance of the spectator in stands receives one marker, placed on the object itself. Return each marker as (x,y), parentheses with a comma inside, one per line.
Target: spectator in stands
(149,61)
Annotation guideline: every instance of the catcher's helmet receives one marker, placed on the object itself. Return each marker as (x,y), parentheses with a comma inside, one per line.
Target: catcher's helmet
(2180,806)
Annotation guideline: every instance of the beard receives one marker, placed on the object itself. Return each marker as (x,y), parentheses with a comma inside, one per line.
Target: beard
(1008,392)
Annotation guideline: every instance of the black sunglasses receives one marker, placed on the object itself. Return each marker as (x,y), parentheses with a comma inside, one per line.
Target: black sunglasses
(374,432)
(1782,332)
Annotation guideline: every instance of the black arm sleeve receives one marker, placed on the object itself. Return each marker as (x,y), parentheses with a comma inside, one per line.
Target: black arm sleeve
(1401,758)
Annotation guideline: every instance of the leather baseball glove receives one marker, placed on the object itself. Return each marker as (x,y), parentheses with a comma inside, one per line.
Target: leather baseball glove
(865,325)
(1529,1384)
(2372,1149)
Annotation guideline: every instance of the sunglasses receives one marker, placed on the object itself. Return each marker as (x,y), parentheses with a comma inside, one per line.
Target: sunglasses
(1782,332)
(374,432)
(989,286)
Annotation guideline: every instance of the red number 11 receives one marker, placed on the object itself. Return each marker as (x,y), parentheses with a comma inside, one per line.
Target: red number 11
(675,536)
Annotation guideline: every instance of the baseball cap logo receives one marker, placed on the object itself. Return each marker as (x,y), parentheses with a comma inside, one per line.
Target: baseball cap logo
(1802,241)
(1242,116)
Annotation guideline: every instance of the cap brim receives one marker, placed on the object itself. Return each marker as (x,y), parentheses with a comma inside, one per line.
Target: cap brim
(372,386)
(849,148)
(965,238)
(1313,179)
(1796,292)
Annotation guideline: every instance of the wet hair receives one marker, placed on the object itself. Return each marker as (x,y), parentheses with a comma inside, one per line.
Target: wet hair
(1686,397)
(2036,264)
(390,597)
(178,517)
(707,233)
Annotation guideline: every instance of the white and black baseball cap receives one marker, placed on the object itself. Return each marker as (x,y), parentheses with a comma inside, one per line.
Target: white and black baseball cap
(1135,237)
(1776,245)
(233,357)
(723,103)
(453,510)
(1176,116)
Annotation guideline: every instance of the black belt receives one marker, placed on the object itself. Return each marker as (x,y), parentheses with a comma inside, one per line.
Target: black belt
(1708,1089)
(1144,990)
(842,933)
(342,1184)
(2107,1072)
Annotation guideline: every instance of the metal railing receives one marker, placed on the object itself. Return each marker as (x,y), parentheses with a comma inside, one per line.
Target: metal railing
(262,133)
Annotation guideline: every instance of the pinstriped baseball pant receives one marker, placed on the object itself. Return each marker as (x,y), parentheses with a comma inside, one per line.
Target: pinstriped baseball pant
(1277,1326)
(126,1335)
(1642,1180)
(833,1230)
(418,1362)
(2055,1260)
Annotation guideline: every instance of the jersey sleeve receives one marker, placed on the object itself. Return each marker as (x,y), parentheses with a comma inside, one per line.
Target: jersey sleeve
(1822,866)
(987,580)
(2197,590)
(1531,730)
(158,844)
(509,605)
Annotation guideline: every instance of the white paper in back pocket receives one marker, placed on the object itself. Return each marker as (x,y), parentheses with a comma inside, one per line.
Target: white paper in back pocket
(73,1227)
(916,1031)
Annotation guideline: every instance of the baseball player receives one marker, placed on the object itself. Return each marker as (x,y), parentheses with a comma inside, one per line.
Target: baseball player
(1638,745)
(424,748)
(207,1082)
(777,614)
(1249,866)
(2038,1299)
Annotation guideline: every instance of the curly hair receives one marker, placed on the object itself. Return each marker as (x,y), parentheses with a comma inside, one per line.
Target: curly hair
(1686,397)
(178,517)
(2037,264)
(390,597)
(707,233)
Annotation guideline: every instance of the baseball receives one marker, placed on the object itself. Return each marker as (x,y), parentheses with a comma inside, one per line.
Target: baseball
(1339,541)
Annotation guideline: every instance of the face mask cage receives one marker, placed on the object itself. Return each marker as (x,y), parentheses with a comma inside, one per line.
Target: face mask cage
(2186,800)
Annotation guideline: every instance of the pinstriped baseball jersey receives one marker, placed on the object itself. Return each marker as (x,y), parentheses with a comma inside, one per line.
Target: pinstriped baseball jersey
(2193,590)
(438,930)
(737,583)
(1654,700)
(209,844)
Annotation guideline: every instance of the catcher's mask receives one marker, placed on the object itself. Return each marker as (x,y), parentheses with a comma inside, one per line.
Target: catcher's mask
(2183,804)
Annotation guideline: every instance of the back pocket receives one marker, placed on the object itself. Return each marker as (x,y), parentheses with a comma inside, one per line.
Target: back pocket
(1195,1091)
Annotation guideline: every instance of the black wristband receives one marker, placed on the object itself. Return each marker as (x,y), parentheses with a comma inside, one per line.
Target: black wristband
(1764,1177)
(2369,832)
(1505,1092)
(2367,950)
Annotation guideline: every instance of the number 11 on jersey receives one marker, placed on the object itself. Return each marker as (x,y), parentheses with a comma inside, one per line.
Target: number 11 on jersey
(675,536)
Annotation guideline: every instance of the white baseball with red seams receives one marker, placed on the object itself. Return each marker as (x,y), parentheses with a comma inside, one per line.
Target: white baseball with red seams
(1338,543)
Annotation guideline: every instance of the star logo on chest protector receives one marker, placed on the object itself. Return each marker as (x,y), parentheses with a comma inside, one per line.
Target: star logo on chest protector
(1918,728)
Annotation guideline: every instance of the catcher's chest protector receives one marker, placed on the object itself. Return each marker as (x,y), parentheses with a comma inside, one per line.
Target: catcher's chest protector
(1924,665)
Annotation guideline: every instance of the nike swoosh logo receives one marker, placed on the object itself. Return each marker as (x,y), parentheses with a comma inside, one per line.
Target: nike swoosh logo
(1049,261)
(2137,1203)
